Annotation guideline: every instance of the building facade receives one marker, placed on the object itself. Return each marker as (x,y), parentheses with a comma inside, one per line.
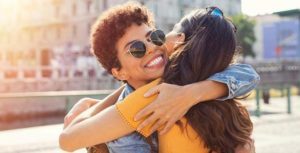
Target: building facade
(50,38)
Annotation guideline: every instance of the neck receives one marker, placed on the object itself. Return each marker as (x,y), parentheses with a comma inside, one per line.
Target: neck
(137,84)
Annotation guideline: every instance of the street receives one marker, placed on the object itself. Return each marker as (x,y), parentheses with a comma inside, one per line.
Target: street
(278,137)
(277,132)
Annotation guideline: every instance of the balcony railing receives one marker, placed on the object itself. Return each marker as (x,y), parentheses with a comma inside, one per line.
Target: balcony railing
(51,79)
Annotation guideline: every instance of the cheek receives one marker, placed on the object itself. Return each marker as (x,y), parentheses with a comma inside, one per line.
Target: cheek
(170,42)
(130,63)
(170,46)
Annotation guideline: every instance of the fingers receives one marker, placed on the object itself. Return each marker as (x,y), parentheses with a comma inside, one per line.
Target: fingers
(68,119)
(168,126)
(152,91)
(145,112)
(149,120)
(157,125)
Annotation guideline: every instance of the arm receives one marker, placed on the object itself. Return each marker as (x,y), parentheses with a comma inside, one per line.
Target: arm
(239,79)
(100,128)
(107,125)
(108,101)
(235,81)
(86,103)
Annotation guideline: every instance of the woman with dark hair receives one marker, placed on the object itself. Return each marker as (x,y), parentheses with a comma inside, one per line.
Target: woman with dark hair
(205,45)
(210,47)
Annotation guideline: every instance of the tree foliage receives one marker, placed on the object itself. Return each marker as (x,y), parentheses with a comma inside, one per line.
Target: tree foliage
(245,34)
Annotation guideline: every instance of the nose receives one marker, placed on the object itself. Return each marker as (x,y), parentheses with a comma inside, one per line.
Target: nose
(150,47)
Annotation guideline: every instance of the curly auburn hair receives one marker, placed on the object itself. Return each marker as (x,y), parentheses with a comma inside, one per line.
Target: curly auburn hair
(111,26)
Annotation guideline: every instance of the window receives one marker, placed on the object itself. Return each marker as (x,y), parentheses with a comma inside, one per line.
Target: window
(104,4)
(88,6)
(1,56)
(74,30)
(57,11)
(30,35)
(88,29)
(74,9)
(44,34)
(58,32)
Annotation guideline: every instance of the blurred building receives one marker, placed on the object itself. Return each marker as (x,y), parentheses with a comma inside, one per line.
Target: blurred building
(278,38)
(50,38)
(277,48)
(43,30)
(169,12)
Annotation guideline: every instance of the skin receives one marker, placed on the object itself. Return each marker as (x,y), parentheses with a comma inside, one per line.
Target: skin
(166,109)
(87,103)
(107,122)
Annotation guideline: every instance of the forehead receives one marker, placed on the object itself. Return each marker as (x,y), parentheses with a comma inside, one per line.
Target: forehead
(134,32)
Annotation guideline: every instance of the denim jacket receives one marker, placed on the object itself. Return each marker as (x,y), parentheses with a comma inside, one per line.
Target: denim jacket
(239,78)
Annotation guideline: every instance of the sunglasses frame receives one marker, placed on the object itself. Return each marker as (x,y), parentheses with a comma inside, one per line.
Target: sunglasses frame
(153,37)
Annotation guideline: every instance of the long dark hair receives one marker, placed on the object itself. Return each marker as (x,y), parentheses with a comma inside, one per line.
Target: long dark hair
(209,49)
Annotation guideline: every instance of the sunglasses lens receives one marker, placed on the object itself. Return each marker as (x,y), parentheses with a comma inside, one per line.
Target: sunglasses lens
(215,11)
(137,49)
(158,37)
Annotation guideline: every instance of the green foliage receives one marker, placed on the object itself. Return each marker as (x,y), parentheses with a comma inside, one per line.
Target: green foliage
(245,34)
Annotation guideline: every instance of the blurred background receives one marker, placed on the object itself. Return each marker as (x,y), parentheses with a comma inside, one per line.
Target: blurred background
(46,66)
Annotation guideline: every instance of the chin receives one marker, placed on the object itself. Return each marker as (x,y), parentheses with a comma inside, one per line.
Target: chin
(157,74)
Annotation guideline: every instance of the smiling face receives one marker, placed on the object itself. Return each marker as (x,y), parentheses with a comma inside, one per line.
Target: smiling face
(139,71)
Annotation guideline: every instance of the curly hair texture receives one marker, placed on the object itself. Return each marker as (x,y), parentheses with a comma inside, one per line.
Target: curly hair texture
(111,26)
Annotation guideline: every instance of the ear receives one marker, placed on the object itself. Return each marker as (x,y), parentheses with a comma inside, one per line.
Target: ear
(119,73)
(180,40)
(181,37)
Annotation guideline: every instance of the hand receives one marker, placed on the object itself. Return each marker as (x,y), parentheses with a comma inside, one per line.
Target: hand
(78,108)
(170,106)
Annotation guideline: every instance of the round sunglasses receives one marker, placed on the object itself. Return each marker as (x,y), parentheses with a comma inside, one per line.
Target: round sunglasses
(138,48)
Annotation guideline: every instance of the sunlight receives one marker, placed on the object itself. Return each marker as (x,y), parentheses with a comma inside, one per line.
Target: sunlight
(6,4)
(7,9)
(258,7)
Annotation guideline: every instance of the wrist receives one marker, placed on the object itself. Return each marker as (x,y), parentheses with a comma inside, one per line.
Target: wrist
(193,93)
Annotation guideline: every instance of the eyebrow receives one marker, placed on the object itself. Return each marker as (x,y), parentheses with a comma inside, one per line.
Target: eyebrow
(131,42)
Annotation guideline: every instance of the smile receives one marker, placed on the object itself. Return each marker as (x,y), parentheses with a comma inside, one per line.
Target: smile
(156,61)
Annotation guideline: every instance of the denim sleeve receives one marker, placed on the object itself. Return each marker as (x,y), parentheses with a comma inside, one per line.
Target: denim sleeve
(239,78)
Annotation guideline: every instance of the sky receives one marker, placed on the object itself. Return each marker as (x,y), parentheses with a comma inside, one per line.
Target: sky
(260,7)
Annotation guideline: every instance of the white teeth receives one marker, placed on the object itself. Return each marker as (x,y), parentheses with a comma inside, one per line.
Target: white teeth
(155,61)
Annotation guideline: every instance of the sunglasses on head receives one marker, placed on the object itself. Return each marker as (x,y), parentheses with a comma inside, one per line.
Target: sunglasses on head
(215,11)
(138,48)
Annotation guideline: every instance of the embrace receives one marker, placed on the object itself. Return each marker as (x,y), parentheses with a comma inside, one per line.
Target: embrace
(179,92)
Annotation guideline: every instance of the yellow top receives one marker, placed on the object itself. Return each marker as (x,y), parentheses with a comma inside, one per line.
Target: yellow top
(176,140)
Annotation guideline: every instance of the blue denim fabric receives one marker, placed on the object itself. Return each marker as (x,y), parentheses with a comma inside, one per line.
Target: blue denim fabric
(133,142)
(239,78)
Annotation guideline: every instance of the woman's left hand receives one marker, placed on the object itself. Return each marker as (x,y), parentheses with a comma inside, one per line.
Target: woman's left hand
(170,106)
